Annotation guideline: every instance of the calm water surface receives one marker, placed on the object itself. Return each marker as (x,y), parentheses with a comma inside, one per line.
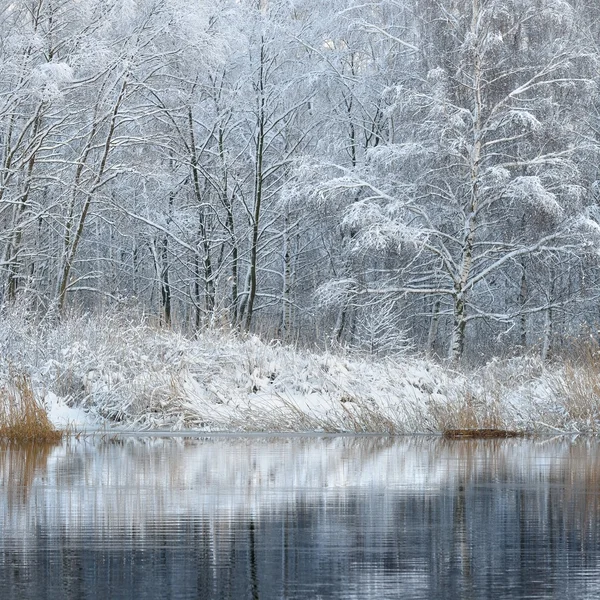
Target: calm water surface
(300,517)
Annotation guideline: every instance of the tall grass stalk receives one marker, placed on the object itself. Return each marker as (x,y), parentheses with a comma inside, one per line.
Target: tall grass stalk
(577,389)
(22,416)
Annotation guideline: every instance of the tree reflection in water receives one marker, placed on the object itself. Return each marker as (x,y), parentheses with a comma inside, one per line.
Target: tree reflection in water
(300,516)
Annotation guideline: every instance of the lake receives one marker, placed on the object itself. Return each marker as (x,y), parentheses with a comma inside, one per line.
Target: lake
(270,517)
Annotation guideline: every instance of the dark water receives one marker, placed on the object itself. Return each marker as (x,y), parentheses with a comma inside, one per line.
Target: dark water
(300,517)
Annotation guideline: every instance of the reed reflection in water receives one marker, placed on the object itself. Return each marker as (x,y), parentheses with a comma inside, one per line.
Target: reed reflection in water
(300,517)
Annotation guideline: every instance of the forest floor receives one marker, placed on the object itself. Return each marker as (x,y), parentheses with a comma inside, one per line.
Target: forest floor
(93,372)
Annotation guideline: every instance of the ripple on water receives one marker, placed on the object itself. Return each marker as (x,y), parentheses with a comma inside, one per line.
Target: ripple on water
(300,517)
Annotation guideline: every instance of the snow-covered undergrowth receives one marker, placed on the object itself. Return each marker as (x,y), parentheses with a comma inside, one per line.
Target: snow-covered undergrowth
(121,371)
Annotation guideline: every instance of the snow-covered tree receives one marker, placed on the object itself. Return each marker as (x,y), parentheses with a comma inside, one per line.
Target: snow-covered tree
(426,167)
(483,170)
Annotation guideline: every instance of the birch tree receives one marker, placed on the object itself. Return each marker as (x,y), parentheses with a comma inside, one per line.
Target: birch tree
(487,144)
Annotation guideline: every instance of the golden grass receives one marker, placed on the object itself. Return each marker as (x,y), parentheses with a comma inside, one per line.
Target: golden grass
(22,416)
(469,413)
(577,387)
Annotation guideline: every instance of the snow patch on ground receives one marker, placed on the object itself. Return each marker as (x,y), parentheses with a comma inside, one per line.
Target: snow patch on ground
(67,417)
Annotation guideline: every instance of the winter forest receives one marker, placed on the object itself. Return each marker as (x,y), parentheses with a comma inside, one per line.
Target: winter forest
(375,175)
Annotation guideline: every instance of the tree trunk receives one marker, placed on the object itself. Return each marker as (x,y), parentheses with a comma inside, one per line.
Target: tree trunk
(258,191)
(522,302)
(433,326)
(203,243)
(461,285)
(72,246)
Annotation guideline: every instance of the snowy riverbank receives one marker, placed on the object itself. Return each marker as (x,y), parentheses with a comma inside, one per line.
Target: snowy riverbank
(107,372)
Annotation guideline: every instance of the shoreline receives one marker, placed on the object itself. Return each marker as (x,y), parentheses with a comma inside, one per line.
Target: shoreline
(95,372)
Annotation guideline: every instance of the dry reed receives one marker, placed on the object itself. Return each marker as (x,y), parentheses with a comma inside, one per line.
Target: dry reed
(472,416)
(22,416)
(577,389)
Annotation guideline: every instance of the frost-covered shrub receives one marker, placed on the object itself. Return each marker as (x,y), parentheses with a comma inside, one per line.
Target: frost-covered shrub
(379,332)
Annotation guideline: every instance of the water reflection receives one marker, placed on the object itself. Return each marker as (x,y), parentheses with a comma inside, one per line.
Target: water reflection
(300,517)
(19,465)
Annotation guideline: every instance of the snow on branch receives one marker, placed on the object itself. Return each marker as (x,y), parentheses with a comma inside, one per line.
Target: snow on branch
(523,119)
(377,230)
(380,333)
(389,153)
(337,292)
(531,191)
(493,177)
(560,12)
(48,78)
(588,224)
(315,183)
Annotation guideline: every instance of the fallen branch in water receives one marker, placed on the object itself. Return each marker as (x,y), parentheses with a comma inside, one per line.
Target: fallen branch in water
(462,434)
